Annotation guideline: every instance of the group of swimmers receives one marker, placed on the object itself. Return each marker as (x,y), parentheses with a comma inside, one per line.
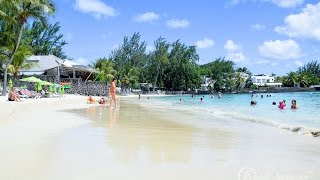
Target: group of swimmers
(281,105)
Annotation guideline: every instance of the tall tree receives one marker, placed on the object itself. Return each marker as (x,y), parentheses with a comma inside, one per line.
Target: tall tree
(312,67)
(159,57)
(220,70)
(180,70)
(46,40)
(17,13)
(130,55)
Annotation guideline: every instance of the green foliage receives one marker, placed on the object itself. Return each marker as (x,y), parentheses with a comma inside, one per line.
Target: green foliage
(220,70)
(45,40)
(306,76)
(180,70)
(131,54)
(13,16)
(253,86)
(157,61)
(175,69)
(105,68)
(312,67)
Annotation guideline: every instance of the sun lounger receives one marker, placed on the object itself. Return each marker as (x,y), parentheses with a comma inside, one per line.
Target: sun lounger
(21,95)
(31,94)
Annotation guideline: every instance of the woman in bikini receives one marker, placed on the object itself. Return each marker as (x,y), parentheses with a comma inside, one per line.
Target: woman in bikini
(113,91)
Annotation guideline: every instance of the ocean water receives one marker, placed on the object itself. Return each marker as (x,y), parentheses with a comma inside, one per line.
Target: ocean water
(237,107)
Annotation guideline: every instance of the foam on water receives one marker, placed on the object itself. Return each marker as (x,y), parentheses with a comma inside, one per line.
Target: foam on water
(304,120)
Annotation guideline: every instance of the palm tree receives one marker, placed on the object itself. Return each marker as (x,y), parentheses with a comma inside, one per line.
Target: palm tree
(291,79)
(17,13)
(19,62)
(105,69)
(239,80)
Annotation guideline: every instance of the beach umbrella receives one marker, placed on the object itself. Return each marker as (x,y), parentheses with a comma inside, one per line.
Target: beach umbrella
(51,88)
(45,83)
(60,90)
(38,86)
(54,88)
(31,79)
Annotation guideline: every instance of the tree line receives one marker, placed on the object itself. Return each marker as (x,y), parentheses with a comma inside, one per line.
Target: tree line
(174,66)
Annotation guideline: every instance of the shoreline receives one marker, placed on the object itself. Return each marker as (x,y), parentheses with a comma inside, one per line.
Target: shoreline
(66,138)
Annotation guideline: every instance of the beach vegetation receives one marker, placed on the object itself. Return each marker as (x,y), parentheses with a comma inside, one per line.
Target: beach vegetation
(220,70)
(305,76)
(105,70)
(15,15)
(45,40)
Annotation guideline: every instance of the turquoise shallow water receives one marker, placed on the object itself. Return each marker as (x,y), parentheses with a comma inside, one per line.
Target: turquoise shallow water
(237,107)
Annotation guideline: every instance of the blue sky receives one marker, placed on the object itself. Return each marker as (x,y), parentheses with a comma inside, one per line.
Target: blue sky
(266,36)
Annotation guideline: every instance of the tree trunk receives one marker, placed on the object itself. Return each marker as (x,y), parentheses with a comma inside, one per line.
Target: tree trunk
(155,82)
(10,61)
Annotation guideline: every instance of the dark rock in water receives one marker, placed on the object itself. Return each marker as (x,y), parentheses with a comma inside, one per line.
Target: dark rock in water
(296,129)
(316,134)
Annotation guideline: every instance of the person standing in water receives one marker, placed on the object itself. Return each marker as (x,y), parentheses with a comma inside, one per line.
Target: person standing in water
(294,104)
(113,91)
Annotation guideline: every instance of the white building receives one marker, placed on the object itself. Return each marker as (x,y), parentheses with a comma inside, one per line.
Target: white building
(52,65)
(264,80)
(205,82)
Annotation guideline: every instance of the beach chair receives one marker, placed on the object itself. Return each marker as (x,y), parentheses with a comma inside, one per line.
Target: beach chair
(33,94)
(21,95)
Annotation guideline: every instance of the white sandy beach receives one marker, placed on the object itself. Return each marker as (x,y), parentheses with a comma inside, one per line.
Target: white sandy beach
(59,139)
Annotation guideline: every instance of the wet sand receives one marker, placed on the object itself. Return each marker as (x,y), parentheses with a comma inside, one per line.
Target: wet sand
(69,139)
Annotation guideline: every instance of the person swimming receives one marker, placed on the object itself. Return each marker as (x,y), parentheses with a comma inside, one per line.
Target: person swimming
(294,104)
(252,102)
(102,101)
(281,105)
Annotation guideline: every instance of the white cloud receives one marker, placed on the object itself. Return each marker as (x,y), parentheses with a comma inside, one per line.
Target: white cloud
(147,17)
(305,24)
(298,63)
(234,52)
(280,3)
(236,57)
(205,43)
(97,8)
(82,61)
(287,49)
(274,64)
(258,27)
(287,3)
(231,46)
(178,23)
